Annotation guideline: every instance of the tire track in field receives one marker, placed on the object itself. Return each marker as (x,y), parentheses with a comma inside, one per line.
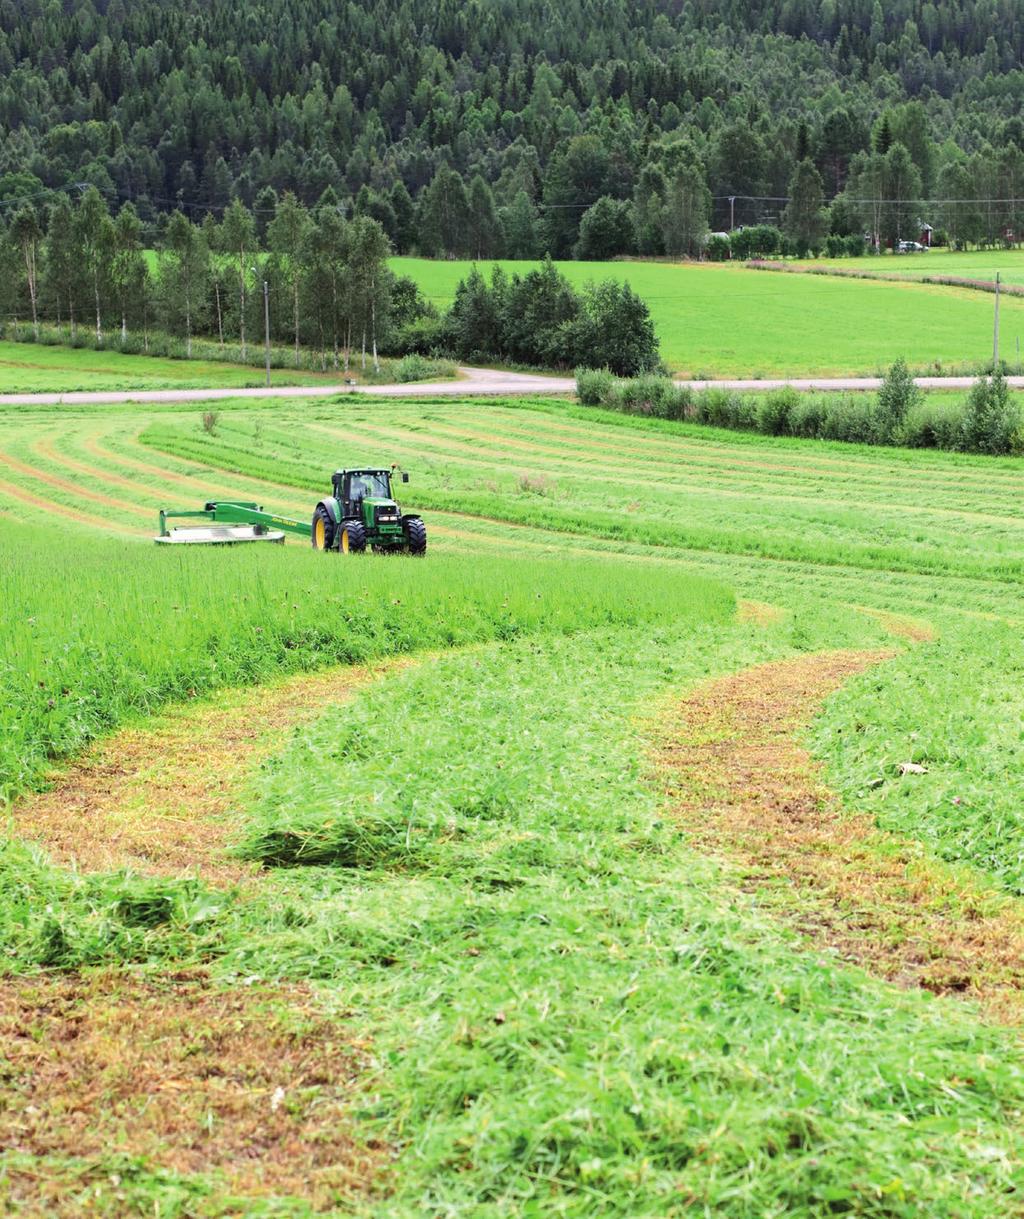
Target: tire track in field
(174,1068)
(121,1060)
(743,788)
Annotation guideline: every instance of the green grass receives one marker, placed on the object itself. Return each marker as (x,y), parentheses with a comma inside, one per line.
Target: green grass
(170,623)
(40,368)
(974,264)
(569,1011)
(727,321)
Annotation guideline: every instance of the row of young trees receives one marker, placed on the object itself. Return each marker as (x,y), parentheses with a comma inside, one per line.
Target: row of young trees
(327,281)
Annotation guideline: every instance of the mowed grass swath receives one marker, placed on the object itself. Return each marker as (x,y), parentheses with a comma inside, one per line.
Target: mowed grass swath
(722,320)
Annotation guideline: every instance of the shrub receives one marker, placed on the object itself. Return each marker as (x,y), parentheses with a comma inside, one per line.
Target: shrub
(415,368)
(896,398)
(774,409)
(723,408)
(934,423)
(850,417)
(991,421)
(806,416)
(650,395)
(594,386)
(719,248)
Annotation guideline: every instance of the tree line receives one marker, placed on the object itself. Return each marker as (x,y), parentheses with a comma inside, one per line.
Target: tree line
(322,277)
(469,128)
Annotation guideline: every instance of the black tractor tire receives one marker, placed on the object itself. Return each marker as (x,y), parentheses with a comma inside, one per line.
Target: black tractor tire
(324,530)
(416,536)
(352,537)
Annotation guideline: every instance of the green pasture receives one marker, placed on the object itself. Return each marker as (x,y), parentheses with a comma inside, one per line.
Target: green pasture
(971,264)
(569,1011)
(41,368)
(718,320)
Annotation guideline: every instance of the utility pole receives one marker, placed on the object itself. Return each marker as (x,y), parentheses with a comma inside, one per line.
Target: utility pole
(266,325)
(732,213)
(995,341)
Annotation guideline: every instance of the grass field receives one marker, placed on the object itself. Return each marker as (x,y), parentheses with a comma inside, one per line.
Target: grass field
(495,937)
(974,264)
(38,368)
(727,321)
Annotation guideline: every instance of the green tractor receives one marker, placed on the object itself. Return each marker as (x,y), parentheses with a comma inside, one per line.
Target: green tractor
(362,513)
(359,514)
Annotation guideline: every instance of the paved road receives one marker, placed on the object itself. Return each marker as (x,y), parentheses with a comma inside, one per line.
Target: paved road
(471,382)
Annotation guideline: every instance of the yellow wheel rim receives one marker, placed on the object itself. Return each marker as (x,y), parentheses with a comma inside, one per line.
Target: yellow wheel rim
(318,534)
(344,541)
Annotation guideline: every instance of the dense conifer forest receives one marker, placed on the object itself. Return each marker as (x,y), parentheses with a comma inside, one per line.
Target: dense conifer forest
(495,126)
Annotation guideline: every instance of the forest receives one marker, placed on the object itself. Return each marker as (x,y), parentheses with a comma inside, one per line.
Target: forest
(587,129)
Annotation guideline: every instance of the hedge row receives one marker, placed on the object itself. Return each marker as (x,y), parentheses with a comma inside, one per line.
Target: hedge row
(988,421)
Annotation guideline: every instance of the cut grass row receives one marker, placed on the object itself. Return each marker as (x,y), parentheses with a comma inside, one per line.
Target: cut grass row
(818,498)
(569,1021)
(645,505)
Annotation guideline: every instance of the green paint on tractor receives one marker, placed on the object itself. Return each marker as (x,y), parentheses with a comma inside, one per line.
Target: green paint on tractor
(359,513)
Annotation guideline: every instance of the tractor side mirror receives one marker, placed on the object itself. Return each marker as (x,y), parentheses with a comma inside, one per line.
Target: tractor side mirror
(405,477)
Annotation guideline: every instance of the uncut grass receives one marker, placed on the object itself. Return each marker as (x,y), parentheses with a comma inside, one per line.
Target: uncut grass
(154,624)
(41,368)
(972,264)
(723,321)
(956,709)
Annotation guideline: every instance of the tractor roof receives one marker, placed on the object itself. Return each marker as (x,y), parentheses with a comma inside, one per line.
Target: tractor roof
(367,470)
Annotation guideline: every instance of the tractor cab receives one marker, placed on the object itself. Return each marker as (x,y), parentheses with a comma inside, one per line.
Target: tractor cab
(360,490)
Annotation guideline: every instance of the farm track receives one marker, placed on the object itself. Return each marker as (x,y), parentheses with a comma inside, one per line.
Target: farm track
(741,786)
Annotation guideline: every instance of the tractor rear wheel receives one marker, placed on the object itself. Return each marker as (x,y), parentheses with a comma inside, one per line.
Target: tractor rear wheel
(353,537)
(416,536)
(323,529)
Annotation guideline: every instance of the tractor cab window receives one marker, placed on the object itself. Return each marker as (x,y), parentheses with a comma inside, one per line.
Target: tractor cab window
(372,486)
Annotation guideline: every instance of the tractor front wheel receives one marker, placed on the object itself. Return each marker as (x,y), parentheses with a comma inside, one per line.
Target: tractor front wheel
(323,529)
(416,536)
(353,537)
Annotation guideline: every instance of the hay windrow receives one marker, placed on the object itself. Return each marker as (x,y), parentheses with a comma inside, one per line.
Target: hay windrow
(161,799)
(742,788)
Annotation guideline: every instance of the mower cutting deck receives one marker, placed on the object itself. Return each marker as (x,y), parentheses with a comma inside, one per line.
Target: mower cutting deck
(211,534)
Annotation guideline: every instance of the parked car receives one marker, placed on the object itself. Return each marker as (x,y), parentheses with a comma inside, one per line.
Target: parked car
(910,247)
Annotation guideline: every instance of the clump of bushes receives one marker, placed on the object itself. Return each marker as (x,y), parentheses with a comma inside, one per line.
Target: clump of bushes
(989,422)
(419,368)
(539,319)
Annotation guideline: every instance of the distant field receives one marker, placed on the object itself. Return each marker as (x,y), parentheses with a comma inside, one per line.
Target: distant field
(979,264)
(729,321)
(32,367)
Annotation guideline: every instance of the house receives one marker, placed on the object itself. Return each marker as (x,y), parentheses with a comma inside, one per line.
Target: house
(926,236)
